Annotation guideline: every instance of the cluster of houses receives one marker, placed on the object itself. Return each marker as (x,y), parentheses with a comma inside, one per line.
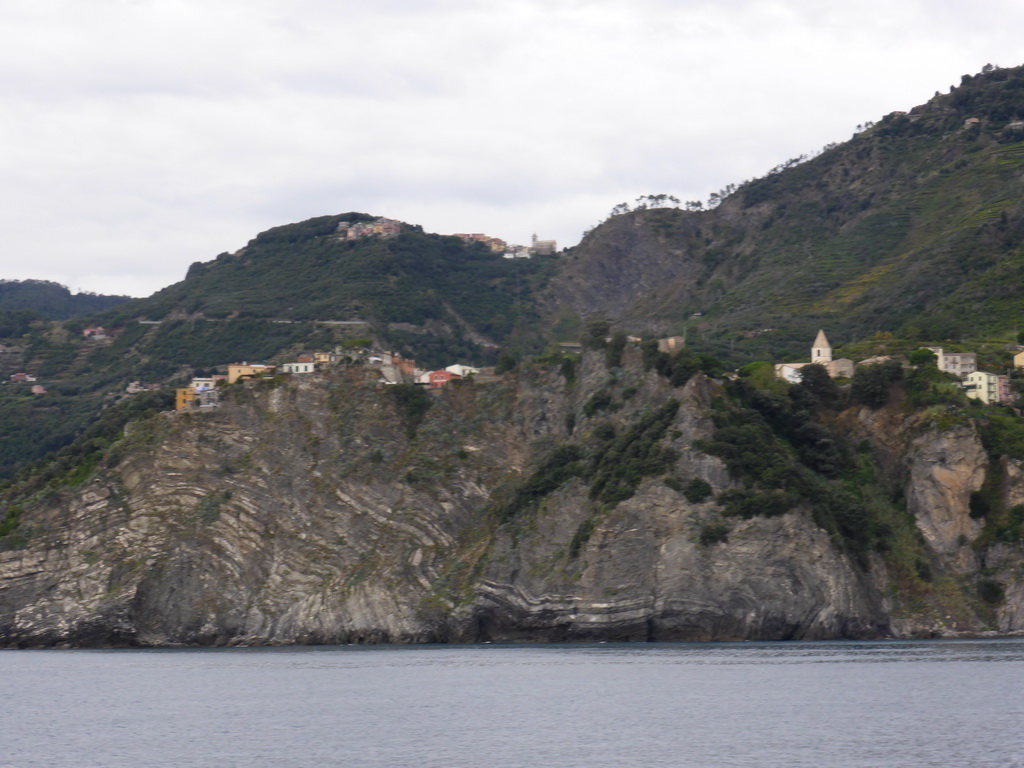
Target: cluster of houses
(390,369)
(496,244)
(381,227)
(386,228)
(509,250)
(986,387)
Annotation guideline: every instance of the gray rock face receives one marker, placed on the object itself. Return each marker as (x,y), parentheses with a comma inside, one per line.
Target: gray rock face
(306,514)
(945,469)
(645,577)
(626,264)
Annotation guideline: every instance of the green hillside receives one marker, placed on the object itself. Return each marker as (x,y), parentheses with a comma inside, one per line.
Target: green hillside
(51,301)
(434,298)
(912,227)
(307,272)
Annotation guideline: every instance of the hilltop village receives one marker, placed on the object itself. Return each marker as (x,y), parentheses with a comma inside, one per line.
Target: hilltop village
(386,228)
(394,370)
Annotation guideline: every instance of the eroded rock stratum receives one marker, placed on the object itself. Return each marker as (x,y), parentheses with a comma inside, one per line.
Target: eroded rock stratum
(311,512)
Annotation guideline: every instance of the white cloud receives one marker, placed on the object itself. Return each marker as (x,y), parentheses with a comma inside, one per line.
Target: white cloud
(149,134)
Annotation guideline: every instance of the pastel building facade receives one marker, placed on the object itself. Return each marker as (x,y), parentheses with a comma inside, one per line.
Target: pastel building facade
(302,364)
(237,371)
(988,388)
(957,363)
(441,379)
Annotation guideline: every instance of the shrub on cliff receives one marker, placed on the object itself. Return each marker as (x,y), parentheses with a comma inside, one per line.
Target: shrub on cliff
(872,383)
(413,403)
(680,366)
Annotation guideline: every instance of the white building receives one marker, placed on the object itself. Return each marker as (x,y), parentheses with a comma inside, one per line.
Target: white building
(821,354)
(789,371)
(958,363)
(543,247)
(462,370)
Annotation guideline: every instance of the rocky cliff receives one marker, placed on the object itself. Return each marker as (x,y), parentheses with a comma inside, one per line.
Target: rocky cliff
(325,510)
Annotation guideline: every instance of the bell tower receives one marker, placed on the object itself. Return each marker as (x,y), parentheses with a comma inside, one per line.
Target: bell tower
(821,352)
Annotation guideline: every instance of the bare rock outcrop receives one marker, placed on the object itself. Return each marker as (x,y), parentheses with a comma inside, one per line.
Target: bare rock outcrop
(307,512)
(945,468)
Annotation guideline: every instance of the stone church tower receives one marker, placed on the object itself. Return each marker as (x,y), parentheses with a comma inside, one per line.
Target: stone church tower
(821,352)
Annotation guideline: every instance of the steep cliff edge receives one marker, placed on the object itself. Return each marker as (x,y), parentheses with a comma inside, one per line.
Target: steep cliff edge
(567,502)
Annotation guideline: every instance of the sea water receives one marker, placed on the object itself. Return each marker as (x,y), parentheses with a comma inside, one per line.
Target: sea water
(941,704)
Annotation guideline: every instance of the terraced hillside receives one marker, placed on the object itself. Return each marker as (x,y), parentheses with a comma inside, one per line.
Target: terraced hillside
(914,226)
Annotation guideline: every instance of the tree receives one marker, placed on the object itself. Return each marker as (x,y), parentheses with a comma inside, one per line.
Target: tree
(871,383)
(596,334)
(814,380)
(922,357)
(613,352)
(506,362)
(660,200)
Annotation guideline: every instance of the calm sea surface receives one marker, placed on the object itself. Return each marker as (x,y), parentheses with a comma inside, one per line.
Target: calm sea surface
(893,704)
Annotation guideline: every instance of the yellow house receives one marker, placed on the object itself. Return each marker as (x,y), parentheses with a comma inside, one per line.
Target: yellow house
(671,344)
(183,398)
(238,370)
(1018,360)
(987,387)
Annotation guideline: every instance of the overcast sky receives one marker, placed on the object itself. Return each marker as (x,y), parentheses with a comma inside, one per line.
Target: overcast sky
(139,136)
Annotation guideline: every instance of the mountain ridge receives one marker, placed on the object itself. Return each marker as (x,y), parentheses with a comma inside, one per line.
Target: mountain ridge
(893,231)
(913,228)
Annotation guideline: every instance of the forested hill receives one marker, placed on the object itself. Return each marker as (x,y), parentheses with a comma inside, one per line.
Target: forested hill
(912,227)
(308,271)
(295,288)
(52,301)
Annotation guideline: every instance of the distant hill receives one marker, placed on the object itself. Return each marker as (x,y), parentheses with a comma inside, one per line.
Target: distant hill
(53,301)
(912,227)
(407,287)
